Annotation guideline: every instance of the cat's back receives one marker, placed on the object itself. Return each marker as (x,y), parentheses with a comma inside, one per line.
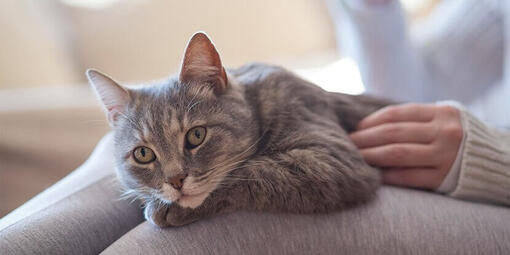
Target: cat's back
(266,76)
(282,99)
(274,84)
(255,72)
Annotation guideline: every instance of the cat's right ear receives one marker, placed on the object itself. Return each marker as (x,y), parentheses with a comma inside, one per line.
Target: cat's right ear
(114,97)
(202,63)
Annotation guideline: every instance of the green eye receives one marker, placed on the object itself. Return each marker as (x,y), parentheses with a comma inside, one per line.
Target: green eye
(195,137)
(143,155)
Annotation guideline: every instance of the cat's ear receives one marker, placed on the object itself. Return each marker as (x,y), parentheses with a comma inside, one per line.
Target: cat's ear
(201,63)
(114,97)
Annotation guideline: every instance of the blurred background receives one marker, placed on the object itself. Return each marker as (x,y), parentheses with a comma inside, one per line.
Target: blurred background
(49,119)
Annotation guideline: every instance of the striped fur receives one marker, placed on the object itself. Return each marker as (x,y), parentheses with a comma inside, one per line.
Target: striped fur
(274,142)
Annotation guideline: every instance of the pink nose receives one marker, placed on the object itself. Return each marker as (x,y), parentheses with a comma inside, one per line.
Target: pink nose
(176,181)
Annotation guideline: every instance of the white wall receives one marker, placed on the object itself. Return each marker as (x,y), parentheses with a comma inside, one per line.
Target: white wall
(48,42)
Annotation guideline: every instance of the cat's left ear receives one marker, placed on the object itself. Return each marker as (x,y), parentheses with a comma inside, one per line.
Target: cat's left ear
(114,97)
(202,63)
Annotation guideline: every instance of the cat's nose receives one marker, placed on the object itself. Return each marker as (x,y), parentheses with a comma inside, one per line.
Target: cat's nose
(176,181)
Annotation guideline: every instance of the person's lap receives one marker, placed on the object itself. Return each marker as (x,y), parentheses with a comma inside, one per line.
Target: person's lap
(398,221)
(98,166)
(74,217)
(82,213)
(85,222)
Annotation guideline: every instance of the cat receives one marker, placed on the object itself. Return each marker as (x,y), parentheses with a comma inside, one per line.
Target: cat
(213,140)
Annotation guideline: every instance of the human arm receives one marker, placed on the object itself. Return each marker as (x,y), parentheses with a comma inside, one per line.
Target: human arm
(375,34)
(417,144)
(456,52)
(484,173)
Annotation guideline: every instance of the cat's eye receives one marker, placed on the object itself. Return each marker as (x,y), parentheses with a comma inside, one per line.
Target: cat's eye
(195,137)
(143,155)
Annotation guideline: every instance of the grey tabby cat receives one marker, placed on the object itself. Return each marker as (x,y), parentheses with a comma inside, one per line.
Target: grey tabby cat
(257,138)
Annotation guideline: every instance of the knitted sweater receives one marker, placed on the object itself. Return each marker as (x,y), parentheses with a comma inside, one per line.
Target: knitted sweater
(458,53)
(484,172)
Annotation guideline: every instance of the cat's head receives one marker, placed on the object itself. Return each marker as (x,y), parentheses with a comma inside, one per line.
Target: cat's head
(178,140)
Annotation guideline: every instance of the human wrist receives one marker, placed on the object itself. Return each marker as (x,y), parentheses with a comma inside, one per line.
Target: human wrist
(449,183)
(484,173)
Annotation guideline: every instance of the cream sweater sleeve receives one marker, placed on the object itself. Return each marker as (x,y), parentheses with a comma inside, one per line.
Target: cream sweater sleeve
(455,53)
(485,164)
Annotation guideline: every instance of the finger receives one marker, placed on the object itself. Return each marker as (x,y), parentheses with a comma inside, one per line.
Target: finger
(400,155)
(399,113)
(387,133)
(411,177)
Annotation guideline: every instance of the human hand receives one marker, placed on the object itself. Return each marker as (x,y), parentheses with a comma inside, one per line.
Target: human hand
(414,144)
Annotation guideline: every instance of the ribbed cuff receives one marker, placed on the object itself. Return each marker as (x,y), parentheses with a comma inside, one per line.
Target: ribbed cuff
(485,167)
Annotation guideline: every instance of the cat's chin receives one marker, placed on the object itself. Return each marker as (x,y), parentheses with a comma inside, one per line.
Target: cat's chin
(192,201)
(170,195)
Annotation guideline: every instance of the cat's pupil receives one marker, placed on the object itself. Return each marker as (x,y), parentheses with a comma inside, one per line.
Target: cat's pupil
(142,151)
(197,133)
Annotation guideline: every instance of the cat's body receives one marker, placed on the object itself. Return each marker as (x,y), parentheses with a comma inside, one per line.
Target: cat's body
(268,140)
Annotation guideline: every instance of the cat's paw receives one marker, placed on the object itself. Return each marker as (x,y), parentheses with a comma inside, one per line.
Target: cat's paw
(156,213)
(178,216)
(168,215)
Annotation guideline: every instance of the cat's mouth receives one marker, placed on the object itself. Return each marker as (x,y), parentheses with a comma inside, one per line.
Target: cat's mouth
(191,200)
(182,197)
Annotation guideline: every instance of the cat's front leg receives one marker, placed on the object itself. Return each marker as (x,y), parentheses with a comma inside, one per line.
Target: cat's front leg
(163,214)
(166,215)
(309,180)
(179,216)
(221,201)
(156,212)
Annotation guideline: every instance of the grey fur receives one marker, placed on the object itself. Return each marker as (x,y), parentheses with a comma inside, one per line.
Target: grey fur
(274,142)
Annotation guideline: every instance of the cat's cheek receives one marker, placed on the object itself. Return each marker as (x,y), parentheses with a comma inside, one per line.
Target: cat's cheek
(192,201)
